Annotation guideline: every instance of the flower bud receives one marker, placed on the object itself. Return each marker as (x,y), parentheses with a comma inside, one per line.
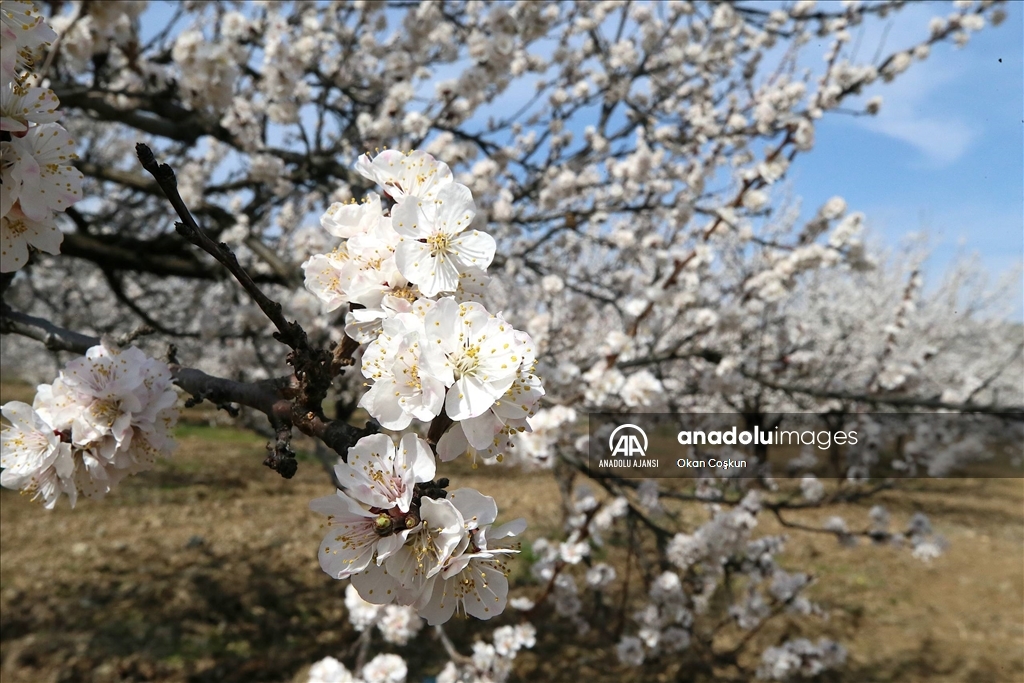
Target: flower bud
(383,524)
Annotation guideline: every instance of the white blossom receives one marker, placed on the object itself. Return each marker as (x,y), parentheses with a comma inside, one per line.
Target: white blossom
(20,106)
(385,668)
(18,232)
(106,416)
(437,243)
(37,172)
(23,30)
(330,670)
(369,519)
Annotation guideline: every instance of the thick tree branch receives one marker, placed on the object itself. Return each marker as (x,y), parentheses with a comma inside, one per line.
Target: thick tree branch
(53,337)
(156,257)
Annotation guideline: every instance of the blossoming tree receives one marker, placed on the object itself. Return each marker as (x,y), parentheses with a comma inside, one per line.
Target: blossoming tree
(585,222)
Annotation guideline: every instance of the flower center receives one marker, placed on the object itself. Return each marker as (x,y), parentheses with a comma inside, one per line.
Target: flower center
(106,411)
(408,293)
(439,243)
(466,362)
(413,380)
(16,227)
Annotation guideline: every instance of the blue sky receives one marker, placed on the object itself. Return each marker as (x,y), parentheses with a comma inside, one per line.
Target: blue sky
(946,153)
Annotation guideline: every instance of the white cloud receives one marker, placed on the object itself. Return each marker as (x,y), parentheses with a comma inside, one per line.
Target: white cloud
(917,106)
(941,141)
(908,113)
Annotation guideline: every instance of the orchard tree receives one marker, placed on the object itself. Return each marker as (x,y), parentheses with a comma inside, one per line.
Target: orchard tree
(527,211)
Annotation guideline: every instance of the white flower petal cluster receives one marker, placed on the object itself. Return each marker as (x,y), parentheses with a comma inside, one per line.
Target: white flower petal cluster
(399,546)
(495,431)
(426,356)
(401,539)
(23,31)
(330,670)
(384,668)
(398,624)
(20,106)
(491,663)
(437,243)
(456,358)
(106,416)
(38,174)
(36,153)
(801,658)
(362,270)
(420,246)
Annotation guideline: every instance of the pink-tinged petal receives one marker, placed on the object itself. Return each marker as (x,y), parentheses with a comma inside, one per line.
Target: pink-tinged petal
(350,540)
(42,164)
(12,125)
(347,549)
(379,476)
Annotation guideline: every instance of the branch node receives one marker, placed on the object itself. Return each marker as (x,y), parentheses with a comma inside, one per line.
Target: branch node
(282,458)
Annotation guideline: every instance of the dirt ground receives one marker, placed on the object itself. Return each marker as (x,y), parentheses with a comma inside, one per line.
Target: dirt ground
(205,570)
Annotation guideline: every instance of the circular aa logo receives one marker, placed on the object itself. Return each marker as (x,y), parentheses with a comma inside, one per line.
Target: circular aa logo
(628,442)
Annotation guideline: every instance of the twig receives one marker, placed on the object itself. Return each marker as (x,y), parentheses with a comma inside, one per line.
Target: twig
(289,333)
(449,647)
(129,337)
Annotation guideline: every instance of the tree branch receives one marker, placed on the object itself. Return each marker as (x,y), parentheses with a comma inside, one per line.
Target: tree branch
(289,333)
(277,398)
(53,337)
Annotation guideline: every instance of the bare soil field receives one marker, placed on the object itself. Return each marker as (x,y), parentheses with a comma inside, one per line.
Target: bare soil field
(205,570)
